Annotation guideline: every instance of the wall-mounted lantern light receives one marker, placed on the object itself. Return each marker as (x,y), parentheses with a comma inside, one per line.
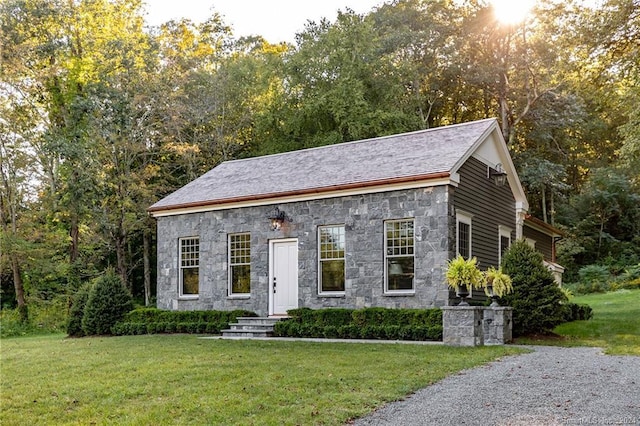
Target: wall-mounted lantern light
(498,174)
(277,218)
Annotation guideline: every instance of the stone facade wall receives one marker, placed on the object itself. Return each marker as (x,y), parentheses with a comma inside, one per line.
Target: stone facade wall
(363,217)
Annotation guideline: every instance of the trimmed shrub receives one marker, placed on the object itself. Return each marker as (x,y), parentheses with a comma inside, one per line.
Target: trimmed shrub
(537,300)
(107,303)
(154,321)
(577,312)
(367,323)
(333,317)
(78,303)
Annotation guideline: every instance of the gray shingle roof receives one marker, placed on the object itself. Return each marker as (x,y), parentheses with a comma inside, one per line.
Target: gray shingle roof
(420,153)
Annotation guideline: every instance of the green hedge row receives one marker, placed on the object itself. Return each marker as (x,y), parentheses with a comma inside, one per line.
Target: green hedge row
(154,321)
(367,323)
(577,312)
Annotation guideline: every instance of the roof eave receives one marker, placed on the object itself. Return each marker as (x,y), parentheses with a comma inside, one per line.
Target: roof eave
(542,226)
(153,210)
(507,162)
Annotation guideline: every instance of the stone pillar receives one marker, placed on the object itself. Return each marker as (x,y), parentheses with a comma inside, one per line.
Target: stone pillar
(497,325)
(462,325)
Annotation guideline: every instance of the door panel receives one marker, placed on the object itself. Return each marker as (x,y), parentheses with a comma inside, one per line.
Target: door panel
(284,276)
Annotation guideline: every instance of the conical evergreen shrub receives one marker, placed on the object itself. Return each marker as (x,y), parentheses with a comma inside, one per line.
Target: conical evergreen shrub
(74,325)
(537,300)
(107,303)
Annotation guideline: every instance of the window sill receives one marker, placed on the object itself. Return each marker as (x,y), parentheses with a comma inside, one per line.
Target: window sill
(238,296)
(194,297)
(399,294)
(335,295)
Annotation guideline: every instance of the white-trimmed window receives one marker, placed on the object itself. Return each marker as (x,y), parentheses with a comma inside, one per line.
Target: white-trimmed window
(399,244)
(504,241)
(463,234)
(189,266)
(239,264)
(331,268)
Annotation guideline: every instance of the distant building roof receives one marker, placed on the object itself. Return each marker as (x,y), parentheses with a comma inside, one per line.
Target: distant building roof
(399,158)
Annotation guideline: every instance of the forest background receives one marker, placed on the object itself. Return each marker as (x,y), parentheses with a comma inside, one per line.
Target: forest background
(100,116)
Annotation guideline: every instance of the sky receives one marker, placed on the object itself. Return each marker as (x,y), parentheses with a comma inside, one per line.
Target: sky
(275,20)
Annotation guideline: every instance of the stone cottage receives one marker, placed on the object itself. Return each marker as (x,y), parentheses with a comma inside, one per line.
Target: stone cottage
(358,224)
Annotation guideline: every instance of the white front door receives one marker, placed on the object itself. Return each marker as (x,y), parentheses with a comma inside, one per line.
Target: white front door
(283,276)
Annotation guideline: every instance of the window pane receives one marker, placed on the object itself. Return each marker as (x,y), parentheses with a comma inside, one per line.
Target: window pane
(504,244)
(189,262)
(332,275)
(331,269)
(400,249)
(463,239)
(399,237)
(190,278)
(240,249)
(240,279)
(331,242)
(400,273)
(189,252)
(240,263)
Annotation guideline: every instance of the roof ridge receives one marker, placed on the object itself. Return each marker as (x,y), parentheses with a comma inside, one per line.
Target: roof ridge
(396,135)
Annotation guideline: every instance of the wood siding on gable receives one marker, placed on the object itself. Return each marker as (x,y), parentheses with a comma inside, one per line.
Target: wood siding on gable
(490,205)
(544,242)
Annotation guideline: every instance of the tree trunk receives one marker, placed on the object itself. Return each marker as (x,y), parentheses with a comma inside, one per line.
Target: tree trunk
(9,215)
(543,193)
(121,255)
(503,102)
(552,208)
(74,233)
(602,222)
(19,288)
(147,267)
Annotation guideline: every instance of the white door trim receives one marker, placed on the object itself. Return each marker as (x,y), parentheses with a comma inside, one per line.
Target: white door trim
(272,243)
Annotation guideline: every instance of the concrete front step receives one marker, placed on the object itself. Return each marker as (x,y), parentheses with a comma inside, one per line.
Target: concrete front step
(257,320)
(245,334)
(247,327)
(250,327)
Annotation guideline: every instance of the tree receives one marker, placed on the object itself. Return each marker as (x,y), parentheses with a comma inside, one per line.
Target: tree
(76,312)
(340,88)
(536,298)
(106,304)
(14,180)
(548,179)
(607,216)
(630,149)
(423,39)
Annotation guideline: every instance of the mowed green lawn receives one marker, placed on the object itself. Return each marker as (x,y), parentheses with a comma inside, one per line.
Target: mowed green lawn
(180,379)
(615,325)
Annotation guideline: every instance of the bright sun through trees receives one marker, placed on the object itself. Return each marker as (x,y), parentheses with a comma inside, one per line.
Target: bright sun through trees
(511,12)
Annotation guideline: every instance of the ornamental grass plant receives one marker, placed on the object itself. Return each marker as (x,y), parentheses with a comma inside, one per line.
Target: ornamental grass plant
(499,282)
(464,272)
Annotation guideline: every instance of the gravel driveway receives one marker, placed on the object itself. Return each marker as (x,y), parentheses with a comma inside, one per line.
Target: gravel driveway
(550,386)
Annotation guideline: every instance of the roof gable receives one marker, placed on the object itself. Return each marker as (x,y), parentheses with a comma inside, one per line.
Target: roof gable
(421,155)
